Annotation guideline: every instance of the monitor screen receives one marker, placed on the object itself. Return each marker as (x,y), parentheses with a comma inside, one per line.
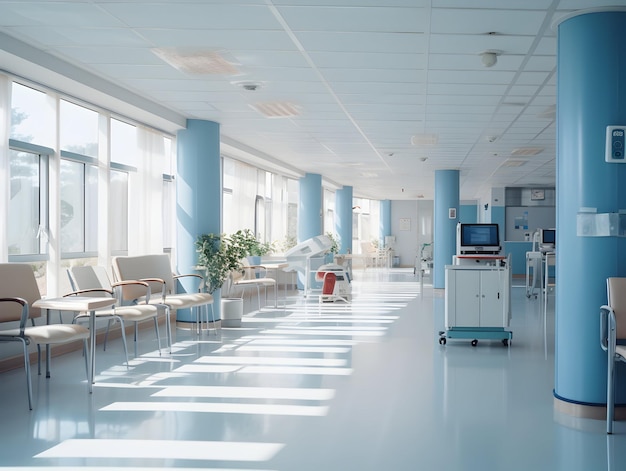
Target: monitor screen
(480,235)
(548,236)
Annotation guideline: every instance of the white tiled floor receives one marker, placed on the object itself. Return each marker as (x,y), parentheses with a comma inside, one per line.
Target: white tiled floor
(364,386)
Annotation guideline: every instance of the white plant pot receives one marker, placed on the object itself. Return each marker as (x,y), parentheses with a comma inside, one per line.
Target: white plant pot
(232,311)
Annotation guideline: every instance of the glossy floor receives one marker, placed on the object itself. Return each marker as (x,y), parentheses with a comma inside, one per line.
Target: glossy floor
(364,386)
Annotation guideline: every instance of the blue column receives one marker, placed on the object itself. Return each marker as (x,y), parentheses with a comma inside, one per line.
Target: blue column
(198,196)
(444,236)
(343,218)
(385,221)
(310,207)
(590,96)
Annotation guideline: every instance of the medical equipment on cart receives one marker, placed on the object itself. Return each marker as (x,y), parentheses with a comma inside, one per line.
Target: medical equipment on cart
(335,283)
(300,257)
(478,287)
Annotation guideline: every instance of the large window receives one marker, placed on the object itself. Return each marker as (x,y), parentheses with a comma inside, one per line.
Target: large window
(27,221)
(79,208)
(32,116)
(79,129)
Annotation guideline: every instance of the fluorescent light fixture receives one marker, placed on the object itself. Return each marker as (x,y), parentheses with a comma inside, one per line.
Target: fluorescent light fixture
(239,392)
(424,139)
(163,449)
(277,109)
(514,163)
(219,408)
(196,62)
(527,151)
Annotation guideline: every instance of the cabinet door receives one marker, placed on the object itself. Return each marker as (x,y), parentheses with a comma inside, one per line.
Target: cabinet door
(492,299)
(467,298)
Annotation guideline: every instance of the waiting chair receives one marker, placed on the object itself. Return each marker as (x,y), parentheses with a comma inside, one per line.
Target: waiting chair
(94,281)
(255,276)
(612,329)
(156,271)
(18,291)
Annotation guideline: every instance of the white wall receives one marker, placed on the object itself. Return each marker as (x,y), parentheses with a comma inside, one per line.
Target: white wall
(419,214)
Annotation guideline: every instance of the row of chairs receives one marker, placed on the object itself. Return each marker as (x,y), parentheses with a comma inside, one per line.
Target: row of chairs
(132,301)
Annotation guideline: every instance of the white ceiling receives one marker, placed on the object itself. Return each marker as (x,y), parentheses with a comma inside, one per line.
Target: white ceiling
(365,76)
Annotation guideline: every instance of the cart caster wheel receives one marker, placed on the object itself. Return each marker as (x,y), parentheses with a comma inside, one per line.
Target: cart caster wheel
(474,342)
(442,341)
(505,342)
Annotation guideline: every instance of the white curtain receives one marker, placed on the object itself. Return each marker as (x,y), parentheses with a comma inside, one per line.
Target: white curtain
(5,129)
(279,209)
(244,196)
(145,225)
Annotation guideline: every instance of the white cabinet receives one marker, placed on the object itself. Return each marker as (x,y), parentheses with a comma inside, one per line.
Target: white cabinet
(476,297)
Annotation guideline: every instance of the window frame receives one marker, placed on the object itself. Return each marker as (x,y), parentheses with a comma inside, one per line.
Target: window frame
(43,228)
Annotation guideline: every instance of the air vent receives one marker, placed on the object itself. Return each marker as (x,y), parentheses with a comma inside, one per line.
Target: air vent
(277,109)
(197,62)
(526,151)
(424,139)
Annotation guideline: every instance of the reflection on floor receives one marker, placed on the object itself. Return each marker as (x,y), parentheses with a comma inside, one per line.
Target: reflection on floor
(360,386)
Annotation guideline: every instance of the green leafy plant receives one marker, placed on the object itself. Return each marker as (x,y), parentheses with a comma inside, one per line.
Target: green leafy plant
(333,238)
(249,245)
(218,255)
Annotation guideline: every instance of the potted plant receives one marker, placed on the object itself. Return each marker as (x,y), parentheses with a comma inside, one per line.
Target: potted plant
(248,245)
(218,256)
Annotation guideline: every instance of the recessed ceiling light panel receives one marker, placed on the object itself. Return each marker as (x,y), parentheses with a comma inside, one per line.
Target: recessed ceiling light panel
(277,109)
(424,139)
(197,62)
(527,151)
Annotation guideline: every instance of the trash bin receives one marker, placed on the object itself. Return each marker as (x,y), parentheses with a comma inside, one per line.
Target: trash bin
(396,262)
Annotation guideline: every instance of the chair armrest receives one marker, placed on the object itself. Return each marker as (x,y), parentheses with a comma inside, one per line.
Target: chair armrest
(91,290)
(24,315)
(194,275)
(157,280)
(607,328)
(120,284)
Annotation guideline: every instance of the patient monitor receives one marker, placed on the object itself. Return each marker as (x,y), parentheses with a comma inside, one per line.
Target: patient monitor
(547,240)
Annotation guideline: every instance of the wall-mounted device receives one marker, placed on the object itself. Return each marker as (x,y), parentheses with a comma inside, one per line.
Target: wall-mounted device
(615,144)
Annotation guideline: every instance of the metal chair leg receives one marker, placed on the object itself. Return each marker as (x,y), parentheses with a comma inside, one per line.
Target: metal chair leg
(610,385)
(29,386)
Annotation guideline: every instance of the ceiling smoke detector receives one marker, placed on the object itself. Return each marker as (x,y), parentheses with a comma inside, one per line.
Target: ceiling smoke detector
(489,58)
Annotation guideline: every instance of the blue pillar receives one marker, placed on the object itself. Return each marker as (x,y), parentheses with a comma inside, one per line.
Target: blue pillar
(385,221)
(310,207)
(198,197)
(343,218)
(446,199)
(590,96)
